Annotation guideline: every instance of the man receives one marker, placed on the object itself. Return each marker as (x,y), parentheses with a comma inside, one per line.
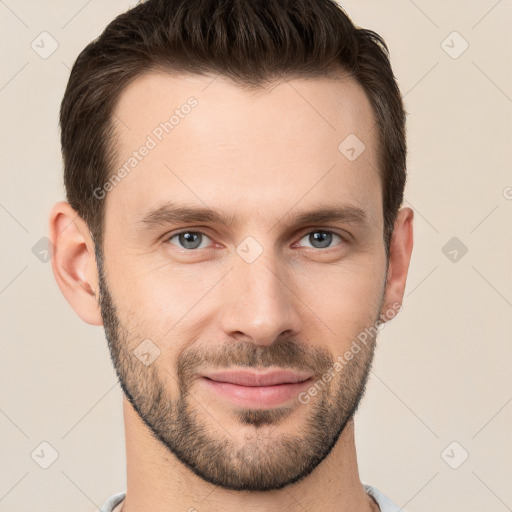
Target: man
(234,174)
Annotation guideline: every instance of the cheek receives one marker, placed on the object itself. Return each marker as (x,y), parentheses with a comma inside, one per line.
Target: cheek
(159,299)
(345,297)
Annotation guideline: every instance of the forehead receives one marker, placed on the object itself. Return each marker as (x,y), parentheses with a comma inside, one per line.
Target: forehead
(205,140)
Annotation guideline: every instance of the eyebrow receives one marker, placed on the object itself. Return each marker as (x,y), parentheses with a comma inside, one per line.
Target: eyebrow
(174,213)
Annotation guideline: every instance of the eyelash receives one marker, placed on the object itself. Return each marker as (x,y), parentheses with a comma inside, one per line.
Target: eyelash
(173,235)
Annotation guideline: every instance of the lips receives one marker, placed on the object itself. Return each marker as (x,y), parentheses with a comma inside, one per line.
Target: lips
(259,379)
(257,389)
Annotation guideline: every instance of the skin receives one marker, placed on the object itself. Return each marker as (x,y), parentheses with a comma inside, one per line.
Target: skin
(259,156)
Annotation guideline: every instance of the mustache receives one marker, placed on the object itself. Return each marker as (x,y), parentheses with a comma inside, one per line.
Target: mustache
(283,353)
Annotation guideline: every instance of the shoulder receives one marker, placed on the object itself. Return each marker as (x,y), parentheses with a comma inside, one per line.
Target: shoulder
(385,504)
(112,502)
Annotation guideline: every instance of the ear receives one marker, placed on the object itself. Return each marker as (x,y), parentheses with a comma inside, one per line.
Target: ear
(399,258)
(74,262)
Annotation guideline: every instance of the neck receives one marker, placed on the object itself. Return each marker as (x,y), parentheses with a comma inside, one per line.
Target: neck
(158,481)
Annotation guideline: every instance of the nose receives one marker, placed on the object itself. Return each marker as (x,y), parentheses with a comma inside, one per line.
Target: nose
(261,303)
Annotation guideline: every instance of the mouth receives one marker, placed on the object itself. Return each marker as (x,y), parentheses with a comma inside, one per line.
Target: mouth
(257,389)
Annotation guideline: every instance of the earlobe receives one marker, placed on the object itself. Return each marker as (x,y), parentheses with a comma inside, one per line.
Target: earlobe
(399,259)
(74,262)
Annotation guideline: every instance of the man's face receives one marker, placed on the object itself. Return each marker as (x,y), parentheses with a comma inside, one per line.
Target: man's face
(183,299)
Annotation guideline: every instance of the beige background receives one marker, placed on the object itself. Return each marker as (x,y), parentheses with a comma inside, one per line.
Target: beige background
(442,372)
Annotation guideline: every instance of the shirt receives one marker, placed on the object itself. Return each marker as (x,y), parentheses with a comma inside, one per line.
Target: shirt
(115,502)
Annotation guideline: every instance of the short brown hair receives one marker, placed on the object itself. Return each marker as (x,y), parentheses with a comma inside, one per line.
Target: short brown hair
(253,42)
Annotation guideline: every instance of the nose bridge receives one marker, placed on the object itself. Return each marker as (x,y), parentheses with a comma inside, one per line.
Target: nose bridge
(261,304)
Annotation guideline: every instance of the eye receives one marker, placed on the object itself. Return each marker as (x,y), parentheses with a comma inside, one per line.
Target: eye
(321,239)
(189,239)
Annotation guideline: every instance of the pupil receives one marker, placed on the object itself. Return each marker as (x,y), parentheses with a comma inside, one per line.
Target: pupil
(322,237)
(187,240)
